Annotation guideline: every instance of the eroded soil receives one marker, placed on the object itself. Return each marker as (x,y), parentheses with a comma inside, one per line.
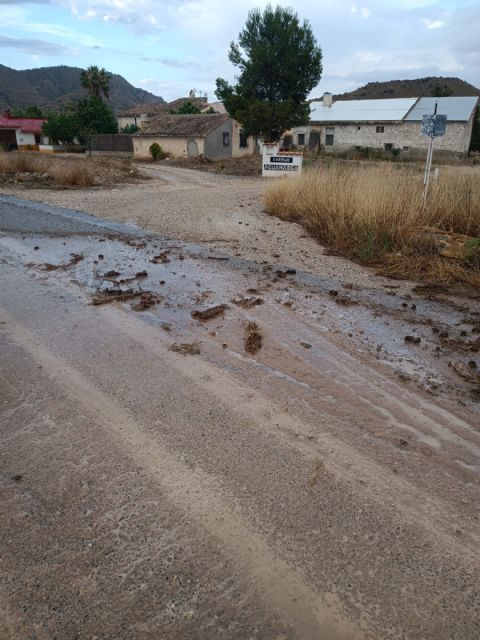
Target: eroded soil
(164,478)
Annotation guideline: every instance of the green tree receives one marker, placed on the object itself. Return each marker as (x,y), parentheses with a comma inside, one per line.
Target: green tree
(186,108)
(280,62)
(94,116)
(86,118)
(129,128)
(61,127)
(30,112)
(96,81)
(441,92)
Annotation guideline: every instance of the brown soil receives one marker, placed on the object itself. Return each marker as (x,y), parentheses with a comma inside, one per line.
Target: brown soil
(246,166)
(253,338)
(211,312)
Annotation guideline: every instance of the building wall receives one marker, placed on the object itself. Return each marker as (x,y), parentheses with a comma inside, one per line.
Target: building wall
(402,135)
(215,149)
(176,146)
(123,121)
(237,150)
(25,139)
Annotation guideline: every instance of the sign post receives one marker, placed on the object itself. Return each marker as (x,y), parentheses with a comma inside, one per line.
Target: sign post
(432,127)
(277,163)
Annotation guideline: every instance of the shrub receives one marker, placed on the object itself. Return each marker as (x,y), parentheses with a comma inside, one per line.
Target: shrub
(157,152)
(13,163)
(75,176)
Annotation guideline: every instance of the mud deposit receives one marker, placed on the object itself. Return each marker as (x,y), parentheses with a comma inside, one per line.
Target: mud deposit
(314,466)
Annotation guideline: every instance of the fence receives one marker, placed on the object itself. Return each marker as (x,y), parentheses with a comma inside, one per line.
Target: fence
(117,144)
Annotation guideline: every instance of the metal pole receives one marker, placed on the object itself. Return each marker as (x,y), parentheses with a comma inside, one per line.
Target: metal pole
(427,171)
(428,165)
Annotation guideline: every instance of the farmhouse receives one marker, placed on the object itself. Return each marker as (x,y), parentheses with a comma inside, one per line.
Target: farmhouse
(386,124)
(214,136)
(24,134)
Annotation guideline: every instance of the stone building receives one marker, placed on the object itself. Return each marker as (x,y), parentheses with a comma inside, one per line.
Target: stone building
(213,136)
(387,124)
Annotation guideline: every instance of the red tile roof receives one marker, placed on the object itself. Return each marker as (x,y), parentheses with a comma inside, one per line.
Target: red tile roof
(28,125)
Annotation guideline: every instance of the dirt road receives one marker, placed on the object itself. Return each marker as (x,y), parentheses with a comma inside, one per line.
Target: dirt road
(161,481)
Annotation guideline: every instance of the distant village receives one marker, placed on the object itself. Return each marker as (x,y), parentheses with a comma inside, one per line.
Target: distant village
(192,126)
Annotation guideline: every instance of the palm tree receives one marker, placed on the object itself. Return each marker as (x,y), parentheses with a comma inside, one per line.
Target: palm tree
(96,81)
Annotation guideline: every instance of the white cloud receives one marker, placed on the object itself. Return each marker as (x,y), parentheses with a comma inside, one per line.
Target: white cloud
(433,24)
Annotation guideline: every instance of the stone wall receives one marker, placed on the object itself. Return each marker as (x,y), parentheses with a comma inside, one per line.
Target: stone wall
(402,135)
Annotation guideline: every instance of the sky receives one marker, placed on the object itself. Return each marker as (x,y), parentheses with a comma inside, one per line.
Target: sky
(169,47)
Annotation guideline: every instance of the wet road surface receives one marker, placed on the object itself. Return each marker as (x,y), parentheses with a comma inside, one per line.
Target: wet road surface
(325,486)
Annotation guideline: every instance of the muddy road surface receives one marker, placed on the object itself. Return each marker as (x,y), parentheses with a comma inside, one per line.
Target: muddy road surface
(201,445)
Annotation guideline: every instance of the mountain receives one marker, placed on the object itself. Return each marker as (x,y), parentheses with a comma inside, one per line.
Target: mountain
(51,88)
(411,89)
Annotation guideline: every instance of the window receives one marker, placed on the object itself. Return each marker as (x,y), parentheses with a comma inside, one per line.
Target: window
(329,136)
(243,140)
(388,146)
(226,138)
(301,139)
(406,148)
(380,129)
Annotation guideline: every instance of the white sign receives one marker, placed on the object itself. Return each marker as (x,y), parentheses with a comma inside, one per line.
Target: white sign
(280,163)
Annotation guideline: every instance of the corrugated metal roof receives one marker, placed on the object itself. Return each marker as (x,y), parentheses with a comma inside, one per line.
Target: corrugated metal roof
(388,110)
(457,109)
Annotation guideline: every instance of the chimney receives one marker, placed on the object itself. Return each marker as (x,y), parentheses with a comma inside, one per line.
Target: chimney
(7,114)
(327,99)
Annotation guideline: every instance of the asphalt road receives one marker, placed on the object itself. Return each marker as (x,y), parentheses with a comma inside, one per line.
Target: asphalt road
(300,492)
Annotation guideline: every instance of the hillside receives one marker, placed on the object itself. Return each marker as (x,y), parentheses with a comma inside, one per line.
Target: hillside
(51,88)
(411,89)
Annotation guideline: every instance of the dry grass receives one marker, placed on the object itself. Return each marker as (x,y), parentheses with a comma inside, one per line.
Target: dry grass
(12,163)
(376,215)
(75,176)
(63,170)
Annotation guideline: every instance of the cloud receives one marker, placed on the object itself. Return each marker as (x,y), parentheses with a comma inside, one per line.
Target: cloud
(26,1)
(174,63)
(58,31)
(34,46)
(433,24)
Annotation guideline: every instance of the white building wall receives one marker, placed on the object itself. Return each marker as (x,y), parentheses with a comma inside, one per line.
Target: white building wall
(24,139)
(123,121)
(176,146)
(237,150)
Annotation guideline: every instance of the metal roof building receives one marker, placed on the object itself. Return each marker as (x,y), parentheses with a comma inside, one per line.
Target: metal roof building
(390,125)
(387,110)
(457,109)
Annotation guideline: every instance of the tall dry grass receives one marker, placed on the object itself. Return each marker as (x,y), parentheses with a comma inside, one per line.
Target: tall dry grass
(75,175)
(12,163)
(376,214)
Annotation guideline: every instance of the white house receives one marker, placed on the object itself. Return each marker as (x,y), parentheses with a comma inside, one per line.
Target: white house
(386,124)
(24,134)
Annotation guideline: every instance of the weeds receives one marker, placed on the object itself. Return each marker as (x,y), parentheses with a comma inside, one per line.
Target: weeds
(75,176)
(377,216)
(12,163)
